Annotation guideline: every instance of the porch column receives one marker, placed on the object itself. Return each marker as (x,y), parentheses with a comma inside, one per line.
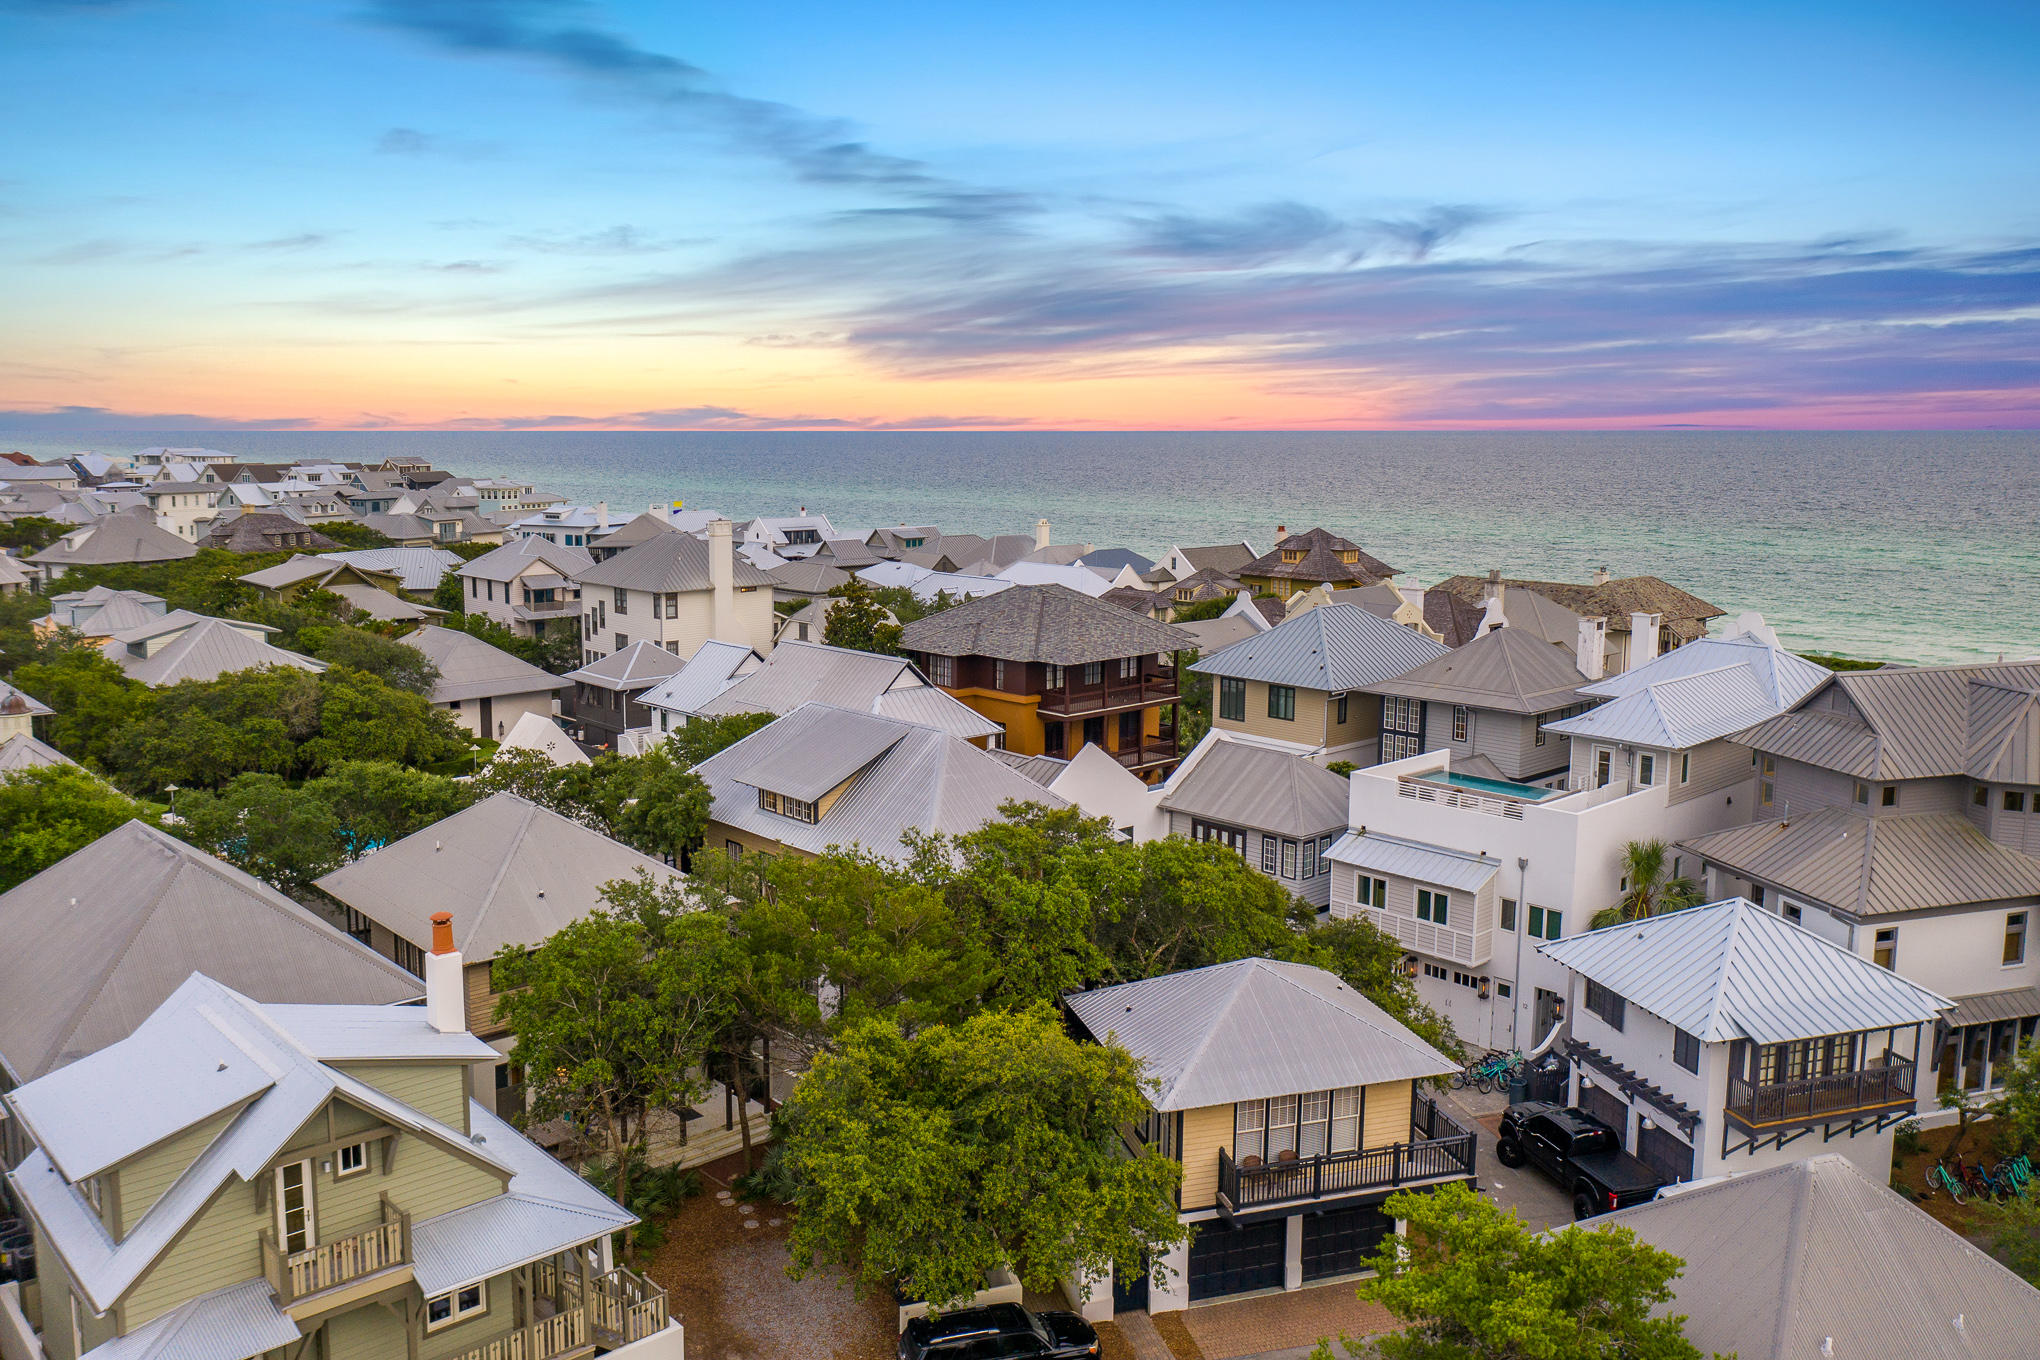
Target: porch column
(1292,1252)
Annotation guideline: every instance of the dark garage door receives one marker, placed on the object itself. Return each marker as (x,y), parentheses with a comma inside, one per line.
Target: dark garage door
(1233,1260)
(1340,1242)
(1607,1107)
(1662,1152)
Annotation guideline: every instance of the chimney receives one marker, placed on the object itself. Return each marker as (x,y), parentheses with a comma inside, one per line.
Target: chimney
(445,991)
(1491,617)
(651,507)
(722,582)
(1600,576)
(1643,630)
(602,517)
(1281,532)
(1494,588)
(1040,534)
(1592,657)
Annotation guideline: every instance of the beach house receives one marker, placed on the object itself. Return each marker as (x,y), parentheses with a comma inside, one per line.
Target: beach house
(1314,557)
(529,585)
(675,591)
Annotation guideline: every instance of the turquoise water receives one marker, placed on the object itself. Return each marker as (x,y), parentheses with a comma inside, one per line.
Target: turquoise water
(1903,546)
(1528,793)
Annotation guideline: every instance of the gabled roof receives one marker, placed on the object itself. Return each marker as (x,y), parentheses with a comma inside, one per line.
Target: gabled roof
(1247,783)
(1253,1029)
(536,732)
(1731,970)
(1320,563)
(667,562)
(1614,600)
(1815,1258)
(1425,863)
(1112,559)
(927,584)
(1080,579)
(1707,689)
(22,751)
(204,649)
(113,540)
(11,572)
(640,664)
(510,871)
(806,672)
(1050,623)
(324,569)
(504,563)
(1870,866)
(638,529)
(100,938)
(713,668)
(911,777)
(417,569)
(1505,671)
(809,577)
(1915,722)
(1333,647)
(470,668)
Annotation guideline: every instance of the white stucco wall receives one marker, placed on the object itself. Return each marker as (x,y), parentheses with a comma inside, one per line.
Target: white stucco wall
(1102,787)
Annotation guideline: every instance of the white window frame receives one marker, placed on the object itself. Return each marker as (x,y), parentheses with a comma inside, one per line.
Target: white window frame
(456,1313)
(1289,859)
(1462,722)
(1646,768)
(341,1168)
(1250,1129)
(1346,1119)
(1269,855)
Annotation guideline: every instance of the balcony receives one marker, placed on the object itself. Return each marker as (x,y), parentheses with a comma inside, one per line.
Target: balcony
(621,1306)
(1073,701)
(1864,1094)
(549,607)
(310,1276)
(1157,751)
(1439,1150)
(562,1334)
(1470,947)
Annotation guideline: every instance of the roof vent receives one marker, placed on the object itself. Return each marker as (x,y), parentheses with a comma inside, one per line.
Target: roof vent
(221,1068)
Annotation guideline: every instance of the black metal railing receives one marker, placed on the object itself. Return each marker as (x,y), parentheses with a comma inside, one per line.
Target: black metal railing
(1441,1149)
(1809,1098)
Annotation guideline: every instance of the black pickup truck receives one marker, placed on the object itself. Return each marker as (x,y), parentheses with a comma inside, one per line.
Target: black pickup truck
(1578,1151)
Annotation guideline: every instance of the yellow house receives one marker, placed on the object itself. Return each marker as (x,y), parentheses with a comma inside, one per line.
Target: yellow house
(1292,1104)
(1316,557)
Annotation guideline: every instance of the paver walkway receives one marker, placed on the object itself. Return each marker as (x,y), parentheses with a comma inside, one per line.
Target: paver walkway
(1277,1322)
(1139,1331)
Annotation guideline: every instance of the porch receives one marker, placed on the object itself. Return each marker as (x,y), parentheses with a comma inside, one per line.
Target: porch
(1439,1149)
(563,1307)
(333,1272)
(1865,1093)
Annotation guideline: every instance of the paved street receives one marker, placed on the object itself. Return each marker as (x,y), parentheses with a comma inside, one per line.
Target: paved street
(1536,1200)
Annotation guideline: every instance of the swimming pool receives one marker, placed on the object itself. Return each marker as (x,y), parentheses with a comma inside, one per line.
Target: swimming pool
(1501,788)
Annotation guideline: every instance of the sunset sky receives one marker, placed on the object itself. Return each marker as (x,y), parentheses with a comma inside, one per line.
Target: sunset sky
(541,214)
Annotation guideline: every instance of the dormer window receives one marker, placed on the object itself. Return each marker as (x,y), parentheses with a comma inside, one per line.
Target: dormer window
(1292,554)
(784,806)
(1349,554)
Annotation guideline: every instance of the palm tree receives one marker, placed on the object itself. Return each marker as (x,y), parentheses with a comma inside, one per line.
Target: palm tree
(1649,887)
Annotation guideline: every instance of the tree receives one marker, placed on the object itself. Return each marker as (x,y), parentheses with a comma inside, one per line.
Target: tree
(995,1142)
(1471,1282)
(397,664)
(375,802)
(350,534)
(19,643)
(451,595)
(1185,904)
(285,836)
(858,621)
(31,533)
(48,813)
(664,808)
(95,702)
(531,775)
(1651,887)
(2015,1113)
(704,737)
(1369,960)
(1203,609)
(2013,1226)
(614,1015)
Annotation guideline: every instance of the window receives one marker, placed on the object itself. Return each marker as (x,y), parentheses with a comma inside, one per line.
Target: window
(1313,1117)
(1371,892)
(358,926)
(1052,739)
(1980,796)
(1309,869)
(1227,836)
(350,1159)
(1282,702)
(1766,791)
(1055,677)
(1603,760)
(620,599)
(1546,925)
(1158,1131)
(1503,990)
(784,806)
(1340,708)
(1129,668)
(1269,850)
(1508,913)
(461,1304)
(2015,938)
(1791,911)
(1250,1129)
(2014,801)
(1094,672)
(734,849)
(1685,1050)
(1539,729)
(1289,859)
(1232,699)
(672,604)
(942,670)
(1608,1005)
(622,641)
(1862,793)
(1345,1135)
(1461,720)
(1434,907)
(1281,1126)
(999,673)
(409,957)
(1646,769)
(1685,766)
(1890,797)
(1884,948)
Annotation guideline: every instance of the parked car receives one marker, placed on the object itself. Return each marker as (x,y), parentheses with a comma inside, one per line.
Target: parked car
(1578,1151)
(996,1332)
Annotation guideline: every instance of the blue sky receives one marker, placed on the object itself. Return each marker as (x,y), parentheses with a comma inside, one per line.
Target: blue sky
(528,212)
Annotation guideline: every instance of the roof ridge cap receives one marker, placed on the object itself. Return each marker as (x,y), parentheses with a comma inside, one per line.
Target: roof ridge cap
(1795,1255)
(1322,1000)
(1717,1001)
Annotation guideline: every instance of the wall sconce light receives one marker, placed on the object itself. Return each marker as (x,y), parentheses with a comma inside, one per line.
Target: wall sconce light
(1586,1083)
(1645,1123)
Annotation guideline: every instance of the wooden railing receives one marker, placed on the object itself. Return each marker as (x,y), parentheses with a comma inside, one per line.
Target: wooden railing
(558,1335)
(1443,1150)
(296,1274)
(1809,1098)
(1112,693)
(1153,753)
(621,1306)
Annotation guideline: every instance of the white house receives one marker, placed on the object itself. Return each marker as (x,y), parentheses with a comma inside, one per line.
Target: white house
(528,585)
(676,591)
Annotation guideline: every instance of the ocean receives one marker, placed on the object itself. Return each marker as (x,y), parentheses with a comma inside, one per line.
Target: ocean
(1910,547)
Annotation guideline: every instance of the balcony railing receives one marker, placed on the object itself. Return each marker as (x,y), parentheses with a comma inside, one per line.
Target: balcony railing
(296,1275)
(621,1306)
(1072,700)
(1808,1099)
(1440,1150)
(1423,791)
(1155,752)
(1472,947)
(549,606)
(559,1335)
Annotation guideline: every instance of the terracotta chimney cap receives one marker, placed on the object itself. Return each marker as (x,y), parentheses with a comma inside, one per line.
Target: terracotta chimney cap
(442,932)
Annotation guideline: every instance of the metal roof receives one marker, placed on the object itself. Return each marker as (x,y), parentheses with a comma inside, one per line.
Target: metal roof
(1049,623)
(640,664)
(1332,647)
(28,703)
(1242,782)
(809,577)
(1816,1258)
(932,707)
(205,650)
(1708,689)
(470,668)
(1379,854)
(926,779)
(1871,866)
(241,1320)
(1731,970)
(712,669)
(1506,671)
(100,938)
(1252,1029)
(1043,770)
(537,732)
(668,562)
(2014,1003)
(812,672)
(927,584)
(807,772)
(113,540)
(419,569)
(519,554)
(1081,579)
(1916,723)
(23,751)
(510,871)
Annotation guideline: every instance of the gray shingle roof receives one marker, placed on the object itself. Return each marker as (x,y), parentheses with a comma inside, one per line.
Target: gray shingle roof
(1244,783)
(1614,600)
(663,562)
(510,871)
(1872,866)
(1731,970)
(1049,623)
(470,668)
(1506,671)
(255,532)
(1332,647)
(636,666)
(1253,1029)
(1914,723)
(1816,1258)
(100,938)
(1321,549)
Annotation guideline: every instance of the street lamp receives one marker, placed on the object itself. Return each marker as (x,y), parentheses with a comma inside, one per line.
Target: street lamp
(171,789)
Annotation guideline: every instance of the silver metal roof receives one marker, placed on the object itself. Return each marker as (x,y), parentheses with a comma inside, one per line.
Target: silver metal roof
(206,650)
(667,561)
(470,668)
(1240,781)
(712,669)
(1815,1258)
(809,770)
(808,672)
(2014,1003)
(99,939)
(520,554)
(932,707)
(113,540)
(418,569)
(1917,723)
(242,1320)
(1252,1029)
(1043,770)
(29,704)
(537,732)
(1379,854)
(23,751)
(510,871)
(1707,689)
(640,664)
(1332,647)
(1731,970)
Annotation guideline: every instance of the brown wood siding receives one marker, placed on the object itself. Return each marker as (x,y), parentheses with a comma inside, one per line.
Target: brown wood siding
(480,1000)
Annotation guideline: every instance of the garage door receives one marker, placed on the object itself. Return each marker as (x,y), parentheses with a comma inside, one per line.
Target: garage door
(1233,1260)
(1342,1242)
(1607,1107)
(1662,1152)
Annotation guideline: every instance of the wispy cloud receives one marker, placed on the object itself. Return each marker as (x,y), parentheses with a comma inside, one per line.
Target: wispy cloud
(729,418)
(94,419)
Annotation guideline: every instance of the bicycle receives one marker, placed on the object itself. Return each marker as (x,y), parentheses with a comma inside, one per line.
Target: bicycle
(1939,1178)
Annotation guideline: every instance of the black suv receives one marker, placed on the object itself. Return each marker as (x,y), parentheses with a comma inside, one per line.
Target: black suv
(997,1332)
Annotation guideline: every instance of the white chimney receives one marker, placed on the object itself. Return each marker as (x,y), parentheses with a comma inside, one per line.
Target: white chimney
(602,517)
(651,507)
(1040,534)
(1643,635)
(1600,576)
(1492,617)
(722,581)
(445,989)
(1592,659)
